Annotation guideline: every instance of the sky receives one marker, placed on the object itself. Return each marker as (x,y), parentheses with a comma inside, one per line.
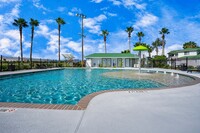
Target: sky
(181,17)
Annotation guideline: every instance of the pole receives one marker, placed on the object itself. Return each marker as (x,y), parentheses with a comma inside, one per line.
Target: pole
(82,42)
(139,61)
(82,16)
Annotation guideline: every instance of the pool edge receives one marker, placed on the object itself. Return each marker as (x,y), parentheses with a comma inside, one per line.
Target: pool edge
(84,102)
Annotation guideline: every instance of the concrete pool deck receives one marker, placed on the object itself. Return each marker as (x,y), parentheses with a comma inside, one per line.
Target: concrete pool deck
(154,111)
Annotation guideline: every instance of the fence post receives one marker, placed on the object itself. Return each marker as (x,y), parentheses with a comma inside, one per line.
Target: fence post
(175,63)
(1,69)
(186,62)
(171,63)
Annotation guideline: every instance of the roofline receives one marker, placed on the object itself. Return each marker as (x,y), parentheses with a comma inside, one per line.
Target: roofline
(184,50)
(112,57)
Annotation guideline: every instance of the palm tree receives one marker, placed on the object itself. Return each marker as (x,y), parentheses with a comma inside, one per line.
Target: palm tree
(129,30)
(150,49)
(60,22)
(140,35)
(190,44)
(33,23)
(21,23)
(163,32)
(105,33)
(156,44)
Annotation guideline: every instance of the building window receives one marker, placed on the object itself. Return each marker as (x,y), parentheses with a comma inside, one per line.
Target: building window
(186,53)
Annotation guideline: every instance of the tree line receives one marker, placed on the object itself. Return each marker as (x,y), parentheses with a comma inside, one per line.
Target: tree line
(22,23)
(158,42)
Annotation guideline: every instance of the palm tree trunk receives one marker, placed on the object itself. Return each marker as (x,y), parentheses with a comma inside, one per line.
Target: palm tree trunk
(163,48)
(59,43)
(32,35)
(156,50)
(21,49)
(139,61)
(140,39)
(129,41)
(149,54)
(105,46)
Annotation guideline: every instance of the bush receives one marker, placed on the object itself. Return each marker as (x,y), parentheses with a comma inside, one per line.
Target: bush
(190,67)
(4,67)
(26,66)
(60,65)
(160,61)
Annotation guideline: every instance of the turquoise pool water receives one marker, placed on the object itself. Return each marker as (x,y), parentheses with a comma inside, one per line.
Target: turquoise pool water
(66,86)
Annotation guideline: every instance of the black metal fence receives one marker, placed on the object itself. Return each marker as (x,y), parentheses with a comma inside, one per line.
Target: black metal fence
(180,64)
(14,63)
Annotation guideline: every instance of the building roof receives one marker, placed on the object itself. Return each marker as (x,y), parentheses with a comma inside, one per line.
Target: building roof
(184,50)
(111,55)
(191,57)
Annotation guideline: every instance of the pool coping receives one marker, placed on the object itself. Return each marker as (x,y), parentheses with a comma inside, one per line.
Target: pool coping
(84,102)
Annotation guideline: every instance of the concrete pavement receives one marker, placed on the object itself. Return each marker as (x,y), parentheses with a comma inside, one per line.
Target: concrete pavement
(154,111)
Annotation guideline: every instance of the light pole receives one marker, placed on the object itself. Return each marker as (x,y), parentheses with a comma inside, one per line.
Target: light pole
(82,16)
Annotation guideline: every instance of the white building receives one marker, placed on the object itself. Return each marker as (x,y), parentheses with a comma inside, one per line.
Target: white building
(189,56)
(112,60)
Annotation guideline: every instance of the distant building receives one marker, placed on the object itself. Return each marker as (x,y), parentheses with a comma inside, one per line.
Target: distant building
(189,56)
(112,60)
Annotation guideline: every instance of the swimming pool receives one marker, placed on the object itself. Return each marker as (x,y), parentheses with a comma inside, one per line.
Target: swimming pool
(66,86)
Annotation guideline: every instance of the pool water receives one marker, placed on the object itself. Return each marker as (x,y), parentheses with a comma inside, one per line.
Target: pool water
(66,86)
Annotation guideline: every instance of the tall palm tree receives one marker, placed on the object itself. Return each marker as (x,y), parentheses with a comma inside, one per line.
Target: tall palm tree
(60,22)
(129,30)
(140,35)
(33,23)
(156,44)
(150,49)
(104,33)
(21,23)
(163,32)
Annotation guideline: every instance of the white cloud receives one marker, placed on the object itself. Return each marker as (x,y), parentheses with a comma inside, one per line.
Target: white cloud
(146,20)
(9,39)
(9,1)
(116,2)
(97,1)
(47,21)
(75,46)
(104,8)
(110,14)
(117,41)
(12,34)
(10,16)
(61,9)
(129,4)
(74,11)
(94,24)
(38,5)
(71,14)
(1,18)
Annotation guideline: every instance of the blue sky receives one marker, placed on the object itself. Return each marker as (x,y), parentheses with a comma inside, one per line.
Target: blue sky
(181,17)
